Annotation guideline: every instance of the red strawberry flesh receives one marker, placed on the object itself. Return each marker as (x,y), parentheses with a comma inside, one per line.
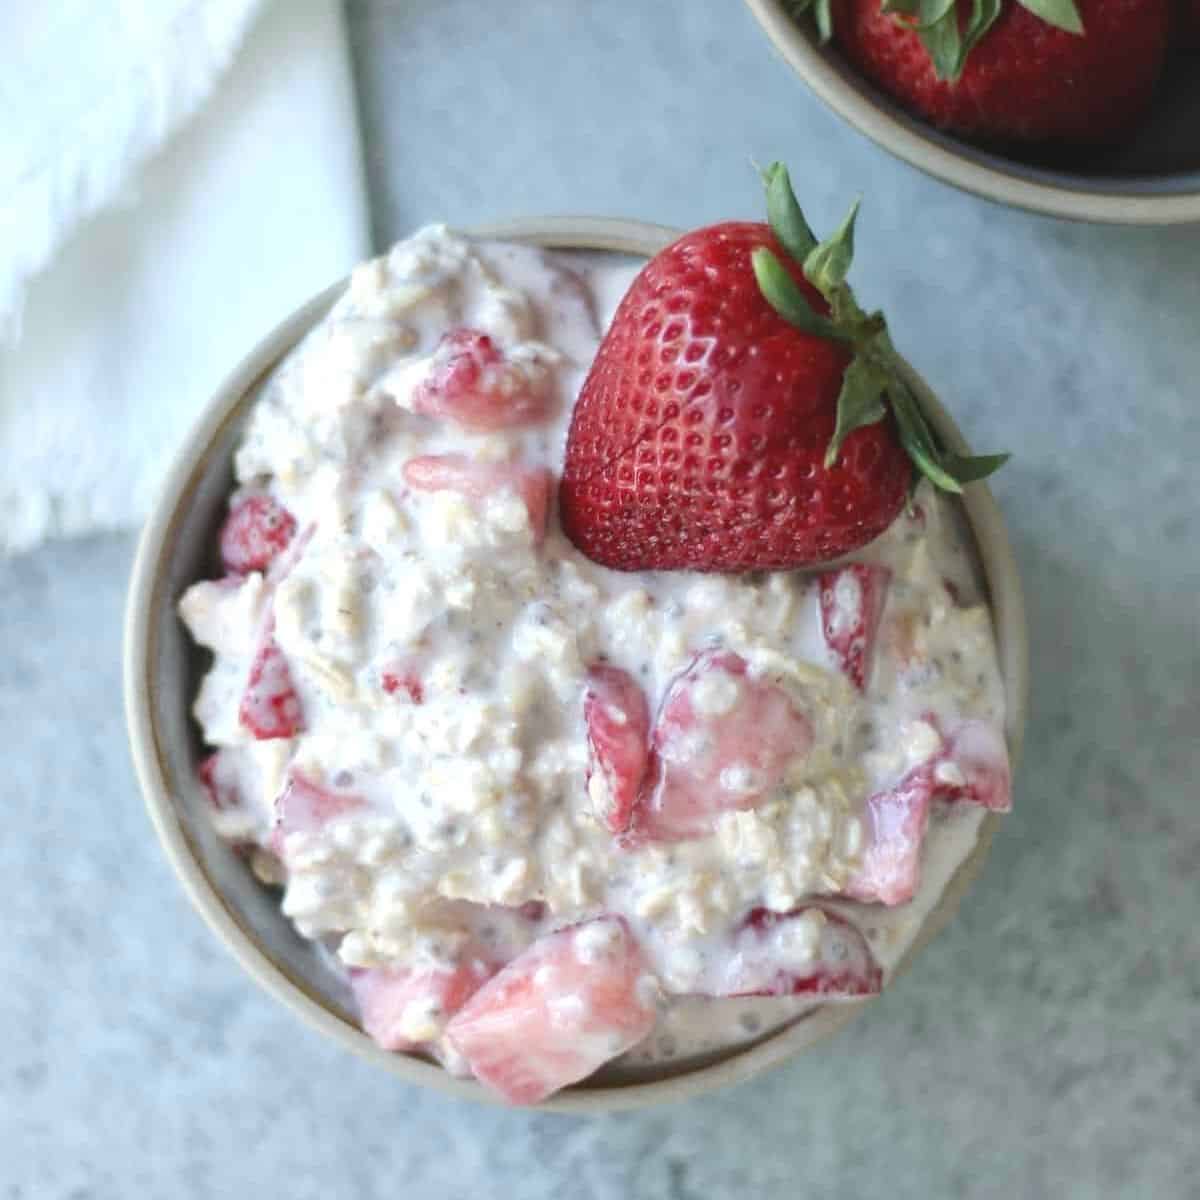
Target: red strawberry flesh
(307,807)
(973,767)
(852,600)
(571,1002)
(400,680)
(472,383)
(896,821)
(257,530)
(478,480)
(270,706)
(219,781)
(618,731)
(723,740)
(765,961)
(395,1003)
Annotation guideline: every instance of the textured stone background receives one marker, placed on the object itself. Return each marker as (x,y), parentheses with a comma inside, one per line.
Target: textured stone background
(1046,1047)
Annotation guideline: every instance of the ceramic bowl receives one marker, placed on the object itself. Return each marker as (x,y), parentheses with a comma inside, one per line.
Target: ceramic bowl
(1153,180)
(162,671)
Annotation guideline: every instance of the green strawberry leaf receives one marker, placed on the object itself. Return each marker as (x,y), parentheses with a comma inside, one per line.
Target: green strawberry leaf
(904,8)
(785,297)
(828,263)
(983,16)
(783,213)
(860,402)
(917,438)
(930,13)
(939,34)
(823,14)
(967,469)
(1062,14)
(873,382)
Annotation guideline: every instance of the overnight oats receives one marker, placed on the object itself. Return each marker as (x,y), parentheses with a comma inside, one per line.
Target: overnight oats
(556,803)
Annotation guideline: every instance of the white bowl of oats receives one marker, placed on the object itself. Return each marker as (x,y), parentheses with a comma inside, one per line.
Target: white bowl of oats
(510,823)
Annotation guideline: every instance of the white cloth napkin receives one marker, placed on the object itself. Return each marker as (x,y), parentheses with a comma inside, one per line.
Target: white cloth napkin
(175,177)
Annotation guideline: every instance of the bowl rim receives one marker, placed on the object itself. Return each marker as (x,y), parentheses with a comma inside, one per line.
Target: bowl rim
(919,149)
(147,593)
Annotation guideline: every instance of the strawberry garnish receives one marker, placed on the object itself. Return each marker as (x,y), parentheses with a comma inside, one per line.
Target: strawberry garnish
(557,1012)
(743,412)
(851,604)
(618,729)
(474,384)
(257,530)
(723,741)
(807,951)
(403,1008)
(270,706)
(1082,71)
(478,480)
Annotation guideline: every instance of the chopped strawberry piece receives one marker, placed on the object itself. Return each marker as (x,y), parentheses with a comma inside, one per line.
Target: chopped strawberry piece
(270,707)
(478,480)
(219,781)
(399,678)
(572,1001)
(618,729)
(306,807)
(403,1008)
(973,768)
(852,600)
(472,383)
(787,954)
(257,530)
(723,740)
(896,821)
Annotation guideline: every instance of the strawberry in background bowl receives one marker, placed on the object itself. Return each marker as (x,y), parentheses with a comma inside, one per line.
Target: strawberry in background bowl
(696,825)
(1086,109)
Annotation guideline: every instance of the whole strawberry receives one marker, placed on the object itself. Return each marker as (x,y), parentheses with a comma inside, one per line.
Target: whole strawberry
(743,412)
(1078,71)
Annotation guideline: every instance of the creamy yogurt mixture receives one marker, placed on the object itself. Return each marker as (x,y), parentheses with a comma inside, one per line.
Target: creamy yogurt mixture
(433,791)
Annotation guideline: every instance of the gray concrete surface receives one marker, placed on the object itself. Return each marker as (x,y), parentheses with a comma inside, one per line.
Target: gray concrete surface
(1047,1047)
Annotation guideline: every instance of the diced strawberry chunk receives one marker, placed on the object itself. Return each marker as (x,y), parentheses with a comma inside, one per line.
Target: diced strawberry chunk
(852,599)
(618,733)
(306,807)
(270,707)
(403,1008)
(973,767)
(722,740)
(219,781)
(896,821)
(472,383)
(257,530)
(478,480)
(403,680)
(807,951)
(572,1001)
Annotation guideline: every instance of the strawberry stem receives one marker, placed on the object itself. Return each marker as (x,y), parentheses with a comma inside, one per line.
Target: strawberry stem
(873,383)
